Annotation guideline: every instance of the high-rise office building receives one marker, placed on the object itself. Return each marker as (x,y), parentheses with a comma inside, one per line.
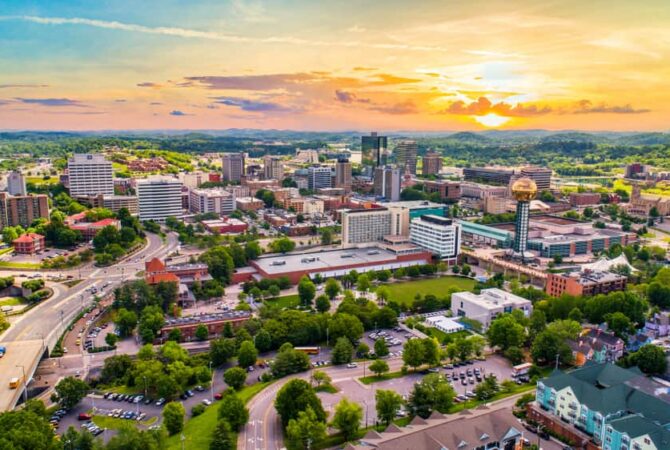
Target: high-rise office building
(406,155)
(439,235)
(159,198)
(524,190)
(22,210)
(343,174)
(319,177)
(432,163)
(540,175)
(387,181)
(374,150)
(361,226)
(16,183)
(217,201)
(233,166)
(273,167)
(488,175)
(90,174)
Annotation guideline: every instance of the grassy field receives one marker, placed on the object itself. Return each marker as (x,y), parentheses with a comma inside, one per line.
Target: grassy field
(6,250)
(11,301)
(404,292)
(288,301)
(198,431)
(15,265)
(445,338)
(114,423)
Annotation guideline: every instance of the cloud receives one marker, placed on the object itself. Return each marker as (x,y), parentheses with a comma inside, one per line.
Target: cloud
(250,105)
(155,103)
(357,29)
(51,102)
(188,33)
(10,86)
(587,107)
(388,79)
(251,11)
(406,107)
(176,112)
(149,84)
(349,97)
(484,106)
(120,100)
(254,82)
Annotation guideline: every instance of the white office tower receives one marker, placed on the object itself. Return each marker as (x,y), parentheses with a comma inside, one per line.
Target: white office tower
(233,166)
(273,167)
(16,183)
(217,200)
(319,177)
(439,235)
(90,174)
(361,226)
(159,198)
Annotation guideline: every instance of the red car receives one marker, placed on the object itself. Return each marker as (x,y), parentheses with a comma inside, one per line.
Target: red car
(218,396)
(84,416)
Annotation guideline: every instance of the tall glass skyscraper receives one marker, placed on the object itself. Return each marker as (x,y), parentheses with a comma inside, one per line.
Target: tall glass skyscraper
(374,150)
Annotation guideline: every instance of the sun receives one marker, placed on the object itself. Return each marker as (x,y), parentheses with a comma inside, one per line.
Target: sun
(491,120)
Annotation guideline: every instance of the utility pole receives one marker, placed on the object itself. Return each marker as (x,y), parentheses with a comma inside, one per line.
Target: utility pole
(25,383)
(327,341)
(211,384)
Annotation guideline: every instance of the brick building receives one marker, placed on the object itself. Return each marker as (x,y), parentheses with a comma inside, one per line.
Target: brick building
(29,244)
(215,324)
(584,283)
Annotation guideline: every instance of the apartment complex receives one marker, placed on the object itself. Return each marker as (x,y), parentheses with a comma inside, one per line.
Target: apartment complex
(233,166)
(387,181)
(365,225)
(374,150)
(159,198)
(218,201)
(273,167)
(406,156)
(16,183)
(486,306)
(432,163)
(584,282)
(90,174)
(319,177)
(439,235)
(604,406)
(22,209)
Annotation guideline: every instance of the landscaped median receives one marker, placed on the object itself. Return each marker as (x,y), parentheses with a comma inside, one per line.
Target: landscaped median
(383,377)
(198,430)
(115,423)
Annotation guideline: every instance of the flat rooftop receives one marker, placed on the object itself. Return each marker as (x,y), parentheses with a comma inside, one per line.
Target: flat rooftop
(493,298)
(412,204)
(555,220)
(324,260)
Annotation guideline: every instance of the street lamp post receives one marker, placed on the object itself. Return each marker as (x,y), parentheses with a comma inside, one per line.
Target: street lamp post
(211,384)
(25,383)
(145,386)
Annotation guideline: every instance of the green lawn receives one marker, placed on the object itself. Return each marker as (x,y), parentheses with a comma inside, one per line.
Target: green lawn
(115,423)
(445,338)
(387,376)
(288,301)
(198,430)
(6,250)
(16,265)
(404,292)
(12,301)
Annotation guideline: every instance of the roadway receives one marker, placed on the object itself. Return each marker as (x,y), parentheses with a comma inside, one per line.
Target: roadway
(43,325)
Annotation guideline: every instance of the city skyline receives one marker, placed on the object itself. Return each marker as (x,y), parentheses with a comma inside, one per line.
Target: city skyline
(438,66)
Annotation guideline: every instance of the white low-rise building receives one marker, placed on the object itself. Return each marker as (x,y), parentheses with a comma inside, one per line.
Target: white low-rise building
(445,324)
(488,305)
(439,235)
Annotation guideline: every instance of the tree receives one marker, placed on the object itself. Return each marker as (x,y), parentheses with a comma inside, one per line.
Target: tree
(363,283)
(130,438)
(174,335)
(477,343)
(282,245)
(221,350)
(342,351)
(620,325)
(306,431)
(487,389)
(235,377)
(326,237)
(379,367)
(431,351)
(433,393)
(70,391)
(296,396)
(388,403)
(289,361)
(363,349)
(514,354)
(322,304)
(332,288)
(381,348)
(247,355)
(219,263)
(506,332)
(413,353)
(650,359)
(306,291)
(383,294)
(263,341)
(125,322)
(347,418)
(201,332)
(25,430)
(320,378)
(151,321)
(111,339)
(173,417)
(347,325)
(547,345)
(222,437)
(233,411)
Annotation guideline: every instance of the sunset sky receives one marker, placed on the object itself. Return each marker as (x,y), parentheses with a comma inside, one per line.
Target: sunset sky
(335,65)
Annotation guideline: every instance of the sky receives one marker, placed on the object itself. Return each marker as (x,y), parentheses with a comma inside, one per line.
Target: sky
(434,65)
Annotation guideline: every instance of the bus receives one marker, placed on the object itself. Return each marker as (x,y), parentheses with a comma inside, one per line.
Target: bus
(14,383)
(309,350)
(521,369)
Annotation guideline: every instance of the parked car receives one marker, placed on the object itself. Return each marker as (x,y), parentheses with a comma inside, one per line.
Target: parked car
(352,365)
(84,416)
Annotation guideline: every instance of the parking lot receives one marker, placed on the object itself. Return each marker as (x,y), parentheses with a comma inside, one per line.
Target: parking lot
(395,338)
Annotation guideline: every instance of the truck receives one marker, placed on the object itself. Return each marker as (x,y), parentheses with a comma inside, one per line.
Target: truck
(14,383)
(3,350)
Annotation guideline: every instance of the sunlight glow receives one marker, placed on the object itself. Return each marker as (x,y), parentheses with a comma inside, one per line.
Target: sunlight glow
(491,120)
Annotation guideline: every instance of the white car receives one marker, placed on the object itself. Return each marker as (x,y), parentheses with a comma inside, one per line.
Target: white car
(206,402)
(352,365)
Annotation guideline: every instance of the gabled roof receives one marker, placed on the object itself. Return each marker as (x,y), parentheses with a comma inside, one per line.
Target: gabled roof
(155,265)
(636,426)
